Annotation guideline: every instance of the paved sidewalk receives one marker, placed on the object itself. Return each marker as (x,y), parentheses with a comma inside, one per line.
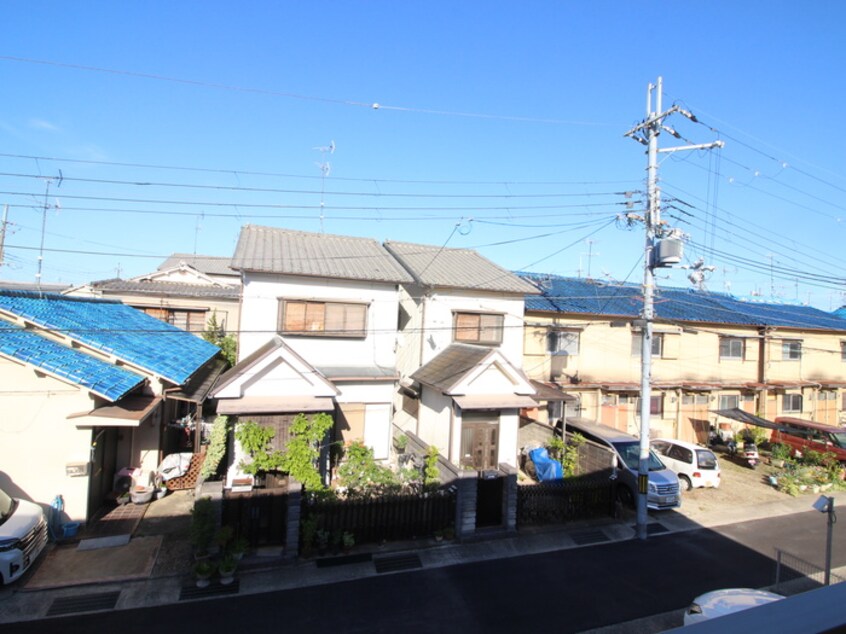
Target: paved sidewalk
(30,603)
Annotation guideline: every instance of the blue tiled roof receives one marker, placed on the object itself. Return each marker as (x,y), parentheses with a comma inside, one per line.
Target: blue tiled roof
(595,297)
(116,329)
(102,378)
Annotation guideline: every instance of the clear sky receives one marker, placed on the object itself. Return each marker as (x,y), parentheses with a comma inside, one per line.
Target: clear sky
(500,127)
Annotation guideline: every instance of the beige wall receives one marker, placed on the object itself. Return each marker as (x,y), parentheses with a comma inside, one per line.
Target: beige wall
(36,439)
(690,355)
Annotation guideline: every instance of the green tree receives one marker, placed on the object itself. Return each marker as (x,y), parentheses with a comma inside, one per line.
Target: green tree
(214,333)
(217,447)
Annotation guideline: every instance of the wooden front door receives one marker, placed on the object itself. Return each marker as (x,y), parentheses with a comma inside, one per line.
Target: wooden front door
(480,440)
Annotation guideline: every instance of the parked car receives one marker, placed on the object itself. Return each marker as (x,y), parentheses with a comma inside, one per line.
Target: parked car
(695,466)
(23,535)
(804,435)
(721,602)
(663,486)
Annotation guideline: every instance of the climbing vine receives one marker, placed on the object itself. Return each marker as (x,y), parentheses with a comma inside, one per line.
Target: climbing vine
(217,447)
(300,457)
(255,440)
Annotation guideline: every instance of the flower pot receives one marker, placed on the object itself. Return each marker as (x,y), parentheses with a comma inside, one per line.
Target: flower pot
(203,582)
(227,577)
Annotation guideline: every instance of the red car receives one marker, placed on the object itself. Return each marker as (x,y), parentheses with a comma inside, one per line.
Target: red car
(805,435)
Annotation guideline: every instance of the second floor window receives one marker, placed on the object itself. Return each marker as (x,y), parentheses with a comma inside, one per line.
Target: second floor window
(478,328)
(190,320)
(657,344)
(731,348)
(327,319)
(564,342)
(791,350)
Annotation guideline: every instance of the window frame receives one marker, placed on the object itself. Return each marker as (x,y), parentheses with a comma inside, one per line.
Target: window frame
(791,350)
(573,339)
(724,397)
(657,342)
(790,397)
(345,333)
(479,328)
(730,341)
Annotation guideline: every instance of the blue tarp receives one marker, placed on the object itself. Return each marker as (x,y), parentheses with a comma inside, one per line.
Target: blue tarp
(546,468)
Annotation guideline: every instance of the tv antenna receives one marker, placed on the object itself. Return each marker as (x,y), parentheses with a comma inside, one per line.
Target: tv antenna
(47,182)
(325,168)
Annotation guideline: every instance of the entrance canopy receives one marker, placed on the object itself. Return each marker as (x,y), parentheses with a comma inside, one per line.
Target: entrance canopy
(128,412)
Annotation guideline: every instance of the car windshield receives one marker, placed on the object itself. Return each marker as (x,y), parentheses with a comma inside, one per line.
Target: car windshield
(7,505)
(839,439)
(630,453)
(706,459)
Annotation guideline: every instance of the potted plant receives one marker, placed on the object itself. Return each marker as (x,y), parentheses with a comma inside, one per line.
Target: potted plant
(348,541)
(222,537)
(439,535)
(203,570)
(322,541)
(202,526)
(401,443)
(239,547)
(226,568)
(779,454)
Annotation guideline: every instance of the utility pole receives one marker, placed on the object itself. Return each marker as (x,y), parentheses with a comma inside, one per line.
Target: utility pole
(3,232)
(647,133)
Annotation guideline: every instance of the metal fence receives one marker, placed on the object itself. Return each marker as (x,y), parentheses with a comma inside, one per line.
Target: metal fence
(794,574)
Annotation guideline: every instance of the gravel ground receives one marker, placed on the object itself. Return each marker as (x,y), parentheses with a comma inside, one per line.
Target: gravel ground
(739,485)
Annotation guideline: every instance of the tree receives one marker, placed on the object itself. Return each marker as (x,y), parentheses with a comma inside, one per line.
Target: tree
(215,333)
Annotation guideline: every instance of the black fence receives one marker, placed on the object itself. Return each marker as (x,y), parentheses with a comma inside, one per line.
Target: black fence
(259,516)
(388,518)
(561,501)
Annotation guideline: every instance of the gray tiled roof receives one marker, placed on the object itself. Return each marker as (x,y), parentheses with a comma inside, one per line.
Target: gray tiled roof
(167,289)
(451,365)
(208,264)
(456,268)
(272,250)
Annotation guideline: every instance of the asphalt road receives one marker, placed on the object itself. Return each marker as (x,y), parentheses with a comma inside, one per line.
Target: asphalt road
(565,591)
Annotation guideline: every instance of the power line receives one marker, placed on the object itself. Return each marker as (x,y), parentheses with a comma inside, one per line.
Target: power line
(374,105)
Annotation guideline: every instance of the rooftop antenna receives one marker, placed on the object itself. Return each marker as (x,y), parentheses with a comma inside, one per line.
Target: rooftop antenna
(325,168)
(197,228)
(45,207)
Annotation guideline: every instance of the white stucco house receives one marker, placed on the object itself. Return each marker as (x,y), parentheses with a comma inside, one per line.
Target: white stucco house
(460,354)
(318,333)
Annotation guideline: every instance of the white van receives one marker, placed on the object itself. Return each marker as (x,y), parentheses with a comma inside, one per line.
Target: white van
(696,466)
(663,484)
(23,535)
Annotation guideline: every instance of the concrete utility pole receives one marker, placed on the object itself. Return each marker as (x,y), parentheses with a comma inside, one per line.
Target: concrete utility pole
(647,133)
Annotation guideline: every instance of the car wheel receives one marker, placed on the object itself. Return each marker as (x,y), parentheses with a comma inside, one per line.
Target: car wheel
(685,483)
(625,496)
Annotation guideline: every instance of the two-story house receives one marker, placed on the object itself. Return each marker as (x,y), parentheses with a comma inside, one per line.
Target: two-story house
(460,354)
(710,351)
(185,290)
(90,386)
(318,333)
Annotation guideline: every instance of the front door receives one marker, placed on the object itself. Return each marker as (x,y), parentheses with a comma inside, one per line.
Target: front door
(480,440)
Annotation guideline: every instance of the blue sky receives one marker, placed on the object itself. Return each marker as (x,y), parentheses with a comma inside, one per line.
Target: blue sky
(499,127)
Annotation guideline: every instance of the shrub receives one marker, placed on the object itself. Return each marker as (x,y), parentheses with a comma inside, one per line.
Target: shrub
(431,475)
(360,473)
(780,452)
(217,447)
(203,524)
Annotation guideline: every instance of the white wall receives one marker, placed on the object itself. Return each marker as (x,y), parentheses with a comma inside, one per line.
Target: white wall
(438,326)
(260,314)
(434,422)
